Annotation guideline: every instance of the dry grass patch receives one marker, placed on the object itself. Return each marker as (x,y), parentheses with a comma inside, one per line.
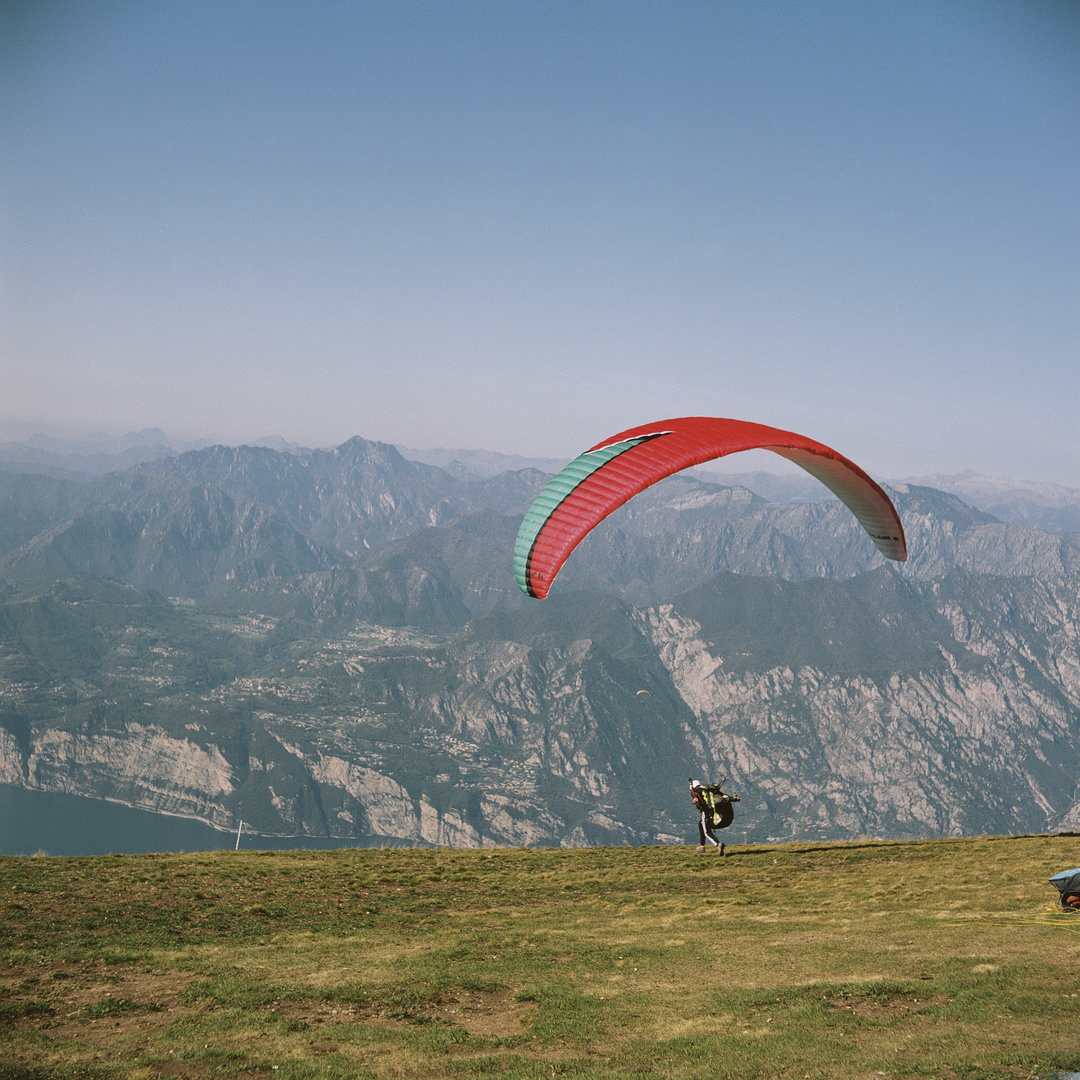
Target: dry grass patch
(94,1005)
(493,1014)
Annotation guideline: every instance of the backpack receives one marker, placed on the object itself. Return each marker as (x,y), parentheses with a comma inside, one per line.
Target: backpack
(715,805)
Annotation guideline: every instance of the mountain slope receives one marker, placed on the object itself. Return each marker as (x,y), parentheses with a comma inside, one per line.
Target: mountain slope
(874,705)
(883,707)
(346,653)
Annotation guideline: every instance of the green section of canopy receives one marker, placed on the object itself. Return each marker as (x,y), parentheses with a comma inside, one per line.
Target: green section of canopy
(559,488)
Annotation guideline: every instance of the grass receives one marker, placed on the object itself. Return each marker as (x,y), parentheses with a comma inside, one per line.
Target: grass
(922,959)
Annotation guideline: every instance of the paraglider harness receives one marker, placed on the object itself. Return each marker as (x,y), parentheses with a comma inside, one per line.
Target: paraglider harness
(714,804)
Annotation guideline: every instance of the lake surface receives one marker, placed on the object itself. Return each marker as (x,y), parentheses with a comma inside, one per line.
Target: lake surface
(33,822)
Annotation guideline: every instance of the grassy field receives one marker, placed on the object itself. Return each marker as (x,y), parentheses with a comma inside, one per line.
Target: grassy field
(931,958)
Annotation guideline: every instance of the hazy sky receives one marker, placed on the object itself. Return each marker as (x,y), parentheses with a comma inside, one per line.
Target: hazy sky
(524,226)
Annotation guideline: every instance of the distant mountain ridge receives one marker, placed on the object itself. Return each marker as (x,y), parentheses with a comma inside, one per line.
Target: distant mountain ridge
(209,520)
(1052,507)
(89,455)
(480,463)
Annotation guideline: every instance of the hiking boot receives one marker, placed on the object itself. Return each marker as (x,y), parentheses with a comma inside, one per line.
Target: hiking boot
(719,849)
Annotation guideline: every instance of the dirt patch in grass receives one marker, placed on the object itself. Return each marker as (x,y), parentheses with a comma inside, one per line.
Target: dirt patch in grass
(491,1015)
(179,1070)
(494,1014)
(95,1005)
(870,1006)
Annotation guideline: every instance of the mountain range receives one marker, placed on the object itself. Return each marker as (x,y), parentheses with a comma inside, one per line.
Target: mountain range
(331,642)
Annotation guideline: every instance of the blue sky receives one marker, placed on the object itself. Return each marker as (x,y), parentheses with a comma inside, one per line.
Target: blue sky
(525,226)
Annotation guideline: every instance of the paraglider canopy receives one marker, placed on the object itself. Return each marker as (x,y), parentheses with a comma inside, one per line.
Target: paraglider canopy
(599,481)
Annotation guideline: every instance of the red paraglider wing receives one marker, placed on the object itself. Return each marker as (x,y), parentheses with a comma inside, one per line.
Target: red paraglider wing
(614,471)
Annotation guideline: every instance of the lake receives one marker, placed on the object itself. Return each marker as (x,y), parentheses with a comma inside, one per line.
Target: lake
(44,822)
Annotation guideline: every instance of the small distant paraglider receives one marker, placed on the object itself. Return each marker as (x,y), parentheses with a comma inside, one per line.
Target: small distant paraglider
(645,692)
(599,481)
